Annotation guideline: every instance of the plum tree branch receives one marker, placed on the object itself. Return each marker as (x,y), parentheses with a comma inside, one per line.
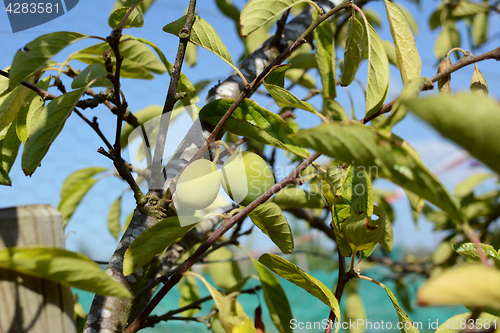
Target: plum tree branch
(223,228)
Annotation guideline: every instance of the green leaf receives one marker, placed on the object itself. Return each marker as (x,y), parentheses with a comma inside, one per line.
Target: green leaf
(216,295)
(354,51)
(295,197)
(378,72)
(9,146)
(391,158)
(226,274)
(480,28)
(354,311)
(270,219)
(138,63)
(144,5)
(153,241)
(297,276)
(450,325)
(473,285)
(35,55)
(232,316)
(11,103)
(77,177)
(184,84)
(325,57)
(74,189)
(191,54)
(467,187)
(410,19)
(202,34)
(256,13)
(114,218)
(390,50)
(333,110)
(478,84)
(468,120)
(49,125)
(465,9)
(399,110)
(469,251)
(404,319)
(361,232)
(447,39)
(189,294)
(387,238)
(274,85)
(135,19)
(417,203)
(26,114)
(90,73)
(409,61)
(254,122)
(61,266)
(275,297)
(142,116)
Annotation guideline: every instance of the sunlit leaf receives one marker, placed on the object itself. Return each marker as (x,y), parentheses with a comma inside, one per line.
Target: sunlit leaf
(469,251)
(297,276)
(202,34)
(325,57)
(74,189)
(138,60)
(12,102)
(254,122)
(392,158)
(270,219)
(295,197)
(354,51)
(35,55)
(153,241)
(225,273)
(49,125)
(114,218)
(468,120)
(135,19)
(144,5)
(469,284)
(378,72)
(409,61)
(256,13)
(61,266)
(90,73)
(9,146)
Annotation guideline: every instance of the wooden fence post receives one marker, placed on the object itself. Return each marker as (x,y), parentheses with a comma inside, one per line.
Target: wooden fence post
(29,304)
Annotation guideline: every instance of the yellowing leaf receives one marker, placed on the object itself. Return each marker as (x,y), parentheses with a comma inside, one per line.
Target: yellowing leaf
(473,285)
(61,266)
(409,61)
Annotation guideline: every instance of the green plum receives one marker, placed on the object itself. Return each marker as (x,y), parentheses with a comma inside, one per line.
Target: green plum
(245,177)
(198,185)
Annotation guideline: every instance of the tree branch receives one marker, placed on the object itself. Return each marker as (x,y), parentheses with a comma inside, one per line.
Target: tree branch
(465,61)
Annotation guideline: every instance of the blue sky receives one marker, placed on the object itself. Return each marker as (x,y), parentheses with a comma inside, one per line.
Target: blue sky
(76,146)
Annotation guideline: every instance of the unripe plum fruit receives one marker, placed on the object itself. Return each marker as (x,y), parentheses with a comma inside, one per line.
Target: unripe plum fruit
(245,177)
(198,185)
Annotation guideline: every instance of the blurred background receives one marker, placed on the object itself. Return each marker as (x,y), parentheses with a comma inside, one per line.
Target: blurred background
(76,148)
